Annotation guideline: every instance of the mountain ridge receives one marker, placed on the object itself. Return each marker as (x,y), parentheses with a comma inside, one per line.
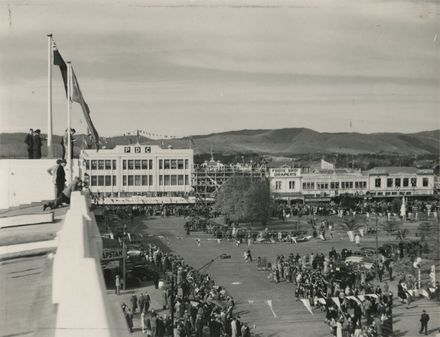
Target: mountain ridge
(285,141)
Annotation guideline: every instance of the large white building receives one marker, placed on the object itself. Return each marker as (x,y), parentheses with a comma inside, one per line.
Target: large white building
(138,170)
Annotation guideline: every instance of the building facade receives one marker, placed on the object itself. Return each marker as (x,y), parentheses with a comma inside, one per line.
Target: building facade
(289,183)
(138,170)
(399,181)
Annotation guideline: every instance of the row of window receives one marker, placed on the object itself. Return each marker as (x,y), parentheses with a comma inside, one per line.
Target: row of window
(102,180)
(100,164)
(335,185)
(401,182)
(146,164)
(173,164)
(138,180)
(174,180)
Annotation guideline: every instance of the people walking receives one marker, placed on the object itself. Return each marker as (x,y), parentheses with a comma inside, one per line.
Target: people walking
(29,141)
(117,285)
(424,319)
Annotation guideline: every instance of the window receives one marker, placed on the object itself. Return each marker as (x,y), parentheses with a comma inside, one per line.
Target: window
(180,179)
(186,163)
(161,180)
(144,180)
(100,164)
(377,182)
(114,164)
(364,184)
(150,164)
(94,181)
(160,164)
(166,164)
(137,164)
(277,185)
(397,182)
(87,164)
(150,180)
(93,166)
(145,164)
(114,181)
(124,164)
(174,180)
(390,182)
(343,184)
(413,182)
(180,164)
(137,180)
(292,184)
(350,184)
(166,180)
(124,180)
(337,185)
(186,179)
(130,164)
(173,164)
(130,180)
(108,164)
(108,180)
(405,182)
(425,182)
(100,180)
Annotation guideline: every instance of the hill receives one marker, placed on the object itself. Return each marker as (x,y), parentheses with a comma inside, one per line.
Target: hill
(289,141)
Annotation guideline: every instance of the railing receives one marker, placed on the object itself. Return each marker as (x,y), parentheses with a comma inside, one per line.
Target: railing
(78,283)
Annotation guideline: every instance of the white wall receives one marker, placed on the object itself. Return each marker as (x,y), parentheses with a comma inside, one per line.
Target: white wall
(23,181)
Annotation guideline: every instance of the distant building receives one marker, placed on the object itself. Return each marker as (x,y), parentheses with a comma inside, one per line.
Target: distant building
(138,170)
(398,181)
(324,183)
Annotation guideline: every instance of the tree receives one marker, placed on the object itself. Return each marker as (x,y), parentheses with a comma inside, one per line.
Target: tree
(243,199)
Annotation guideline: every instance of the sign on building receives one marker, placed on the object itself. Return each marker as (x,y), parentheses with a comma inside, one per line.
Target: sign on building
(112,254)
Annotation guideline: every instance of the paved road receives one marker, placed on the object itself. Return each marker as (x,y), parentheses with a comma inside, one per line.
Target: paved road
(252,289)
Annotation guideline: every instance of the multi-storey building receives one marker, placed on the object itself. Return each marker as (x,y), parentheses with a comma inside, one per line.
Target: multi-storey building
(138,170)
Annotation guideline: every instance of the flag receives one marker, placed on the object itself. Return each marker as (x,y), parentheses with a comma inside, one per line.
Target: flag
(78,97)
(59,61)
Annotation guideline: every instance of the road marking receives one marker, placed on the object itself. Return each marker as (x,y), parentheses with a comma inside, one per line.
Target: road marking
(236,283)
(269,303)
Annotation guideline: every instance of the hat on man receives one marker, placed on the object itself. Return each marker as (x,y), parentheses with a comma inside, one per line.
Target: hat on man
(59,161)
(37,131)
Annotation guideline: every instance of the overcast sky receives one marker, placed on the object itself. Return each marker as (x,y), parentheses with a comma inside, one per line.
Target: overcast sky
(179,68)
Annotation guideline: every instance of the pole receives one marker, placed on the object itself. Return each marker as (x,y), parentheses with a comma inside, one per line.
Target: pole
(49,97)
(172,294)
(124,264)
(69,140)
(377,235)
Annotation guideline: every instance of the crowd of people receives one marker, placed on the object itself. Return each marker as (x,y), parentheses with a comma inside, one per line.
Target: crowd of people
(193,301)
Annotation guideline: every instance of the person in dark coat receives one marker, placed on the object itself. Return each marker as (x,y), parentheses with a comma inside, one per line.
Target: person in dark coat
(61,178)
(36,147)
(424,319)
(29,141)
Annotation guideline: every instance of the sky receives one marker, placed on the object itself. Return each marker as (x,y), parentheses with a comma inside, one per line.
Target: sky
(194,67)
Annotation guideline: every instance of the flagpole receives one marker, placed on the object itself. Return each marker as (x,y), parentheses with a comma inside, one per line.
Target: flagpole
(49,96)
(69,141)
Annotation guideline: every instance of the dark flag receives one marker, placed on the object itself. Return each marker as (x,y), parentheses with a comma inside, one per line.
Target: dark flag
(78,97)
(59,61)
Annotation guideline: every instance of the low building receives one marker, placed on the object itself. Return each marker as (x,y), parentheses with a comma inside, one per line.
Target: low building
(138,170)
(399,181)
